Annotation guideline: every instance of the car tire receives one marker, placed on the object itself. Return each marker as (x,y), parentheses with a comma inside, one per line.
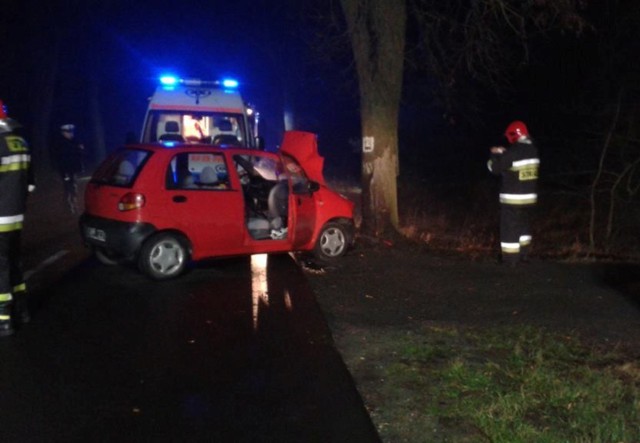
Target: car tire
(107,257)
(333,242)
(163,256)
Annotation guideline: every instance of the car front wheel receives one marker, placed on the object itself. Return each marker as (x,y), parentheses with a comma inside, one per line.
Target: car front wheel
(163,256)
(332,242)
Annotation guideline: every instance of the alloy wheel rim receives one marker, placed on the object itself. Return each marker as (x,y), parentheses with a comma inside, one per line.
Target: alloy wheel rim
(166,257)
(333,242)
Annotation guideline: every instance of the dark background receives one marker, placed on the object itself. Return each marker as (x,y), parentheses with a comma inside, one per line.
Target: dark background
(96,63)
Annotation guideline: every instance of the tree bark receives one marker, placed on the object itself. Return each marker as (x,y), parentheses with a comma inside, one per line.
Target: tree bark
(377,33)
(98,147)
(46,50)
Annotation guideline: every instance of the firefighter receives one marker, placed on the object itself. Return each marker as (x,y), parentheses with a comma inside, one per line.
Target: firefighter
(16,181)
(518,165)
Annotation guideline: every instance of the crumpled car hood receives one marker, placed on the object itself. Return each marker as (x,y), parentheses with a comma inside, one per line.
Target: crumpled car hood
(303,146)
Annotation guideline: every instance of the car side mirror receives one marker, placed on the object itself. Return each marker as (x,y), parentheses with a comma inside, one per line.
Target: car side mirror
(307,187)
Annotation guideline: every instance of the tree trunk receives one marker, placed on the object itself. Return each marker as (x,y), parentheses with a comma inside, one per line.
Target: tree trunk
(96,151)
(377,32)
(46,50)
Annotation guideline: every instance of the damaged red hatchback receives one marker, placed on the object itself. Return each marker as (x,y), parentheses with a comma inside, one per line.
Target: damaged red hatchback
(162,206)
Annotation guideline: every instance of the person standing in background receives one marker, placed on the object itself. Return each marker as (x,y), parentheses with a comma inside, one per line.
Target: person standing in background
(67,153)
(16,181)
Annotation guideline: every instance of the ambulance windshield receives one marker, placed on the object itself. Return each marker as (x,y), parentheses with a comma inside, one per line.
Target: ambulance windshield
(217,128)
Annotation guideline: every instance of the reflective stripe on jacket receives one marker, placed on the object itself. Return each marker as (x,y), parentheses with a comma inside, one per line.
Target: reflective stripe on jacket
(16,162)
(15,169)
(518,199)
(518,166)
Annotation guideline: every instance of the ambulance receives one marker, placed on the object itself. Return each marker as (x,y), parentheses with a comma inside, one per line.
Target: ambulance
(200,111)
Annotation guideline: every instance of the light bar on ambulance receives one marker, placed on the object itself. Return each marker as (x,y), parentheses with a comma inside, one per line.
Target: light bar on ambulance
(170,80)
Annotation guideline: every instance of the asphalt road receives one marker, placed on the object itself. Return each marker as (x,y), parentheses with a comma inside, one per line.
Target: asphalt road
(236,350)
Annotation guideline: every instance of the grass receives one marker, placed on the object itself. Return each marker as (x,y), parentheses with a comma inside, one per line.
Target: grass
(509,384)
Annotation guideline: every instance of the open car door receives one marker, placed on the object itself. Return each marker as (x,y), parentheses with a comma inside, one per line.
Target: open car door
(304,165)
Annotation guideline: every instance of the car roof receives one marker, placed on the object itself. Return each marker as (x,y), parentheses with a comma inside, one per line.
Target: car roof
(300,145)
(191,147)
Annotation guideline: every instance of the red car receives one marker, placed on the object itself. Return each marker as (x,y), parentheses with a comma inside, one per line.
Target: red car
(162,206)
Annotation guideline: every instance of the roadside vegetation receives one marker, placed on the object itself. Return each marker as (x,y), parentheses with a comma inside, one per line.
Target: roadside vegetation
(509,384)
(465,219)
(448,382)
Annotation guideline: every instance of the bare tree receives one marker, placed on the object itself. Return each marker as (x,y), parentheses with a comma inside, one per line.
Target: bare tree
(377,31)
(471,45)
(463,40)
(44,47)
(275,43)
(603,144)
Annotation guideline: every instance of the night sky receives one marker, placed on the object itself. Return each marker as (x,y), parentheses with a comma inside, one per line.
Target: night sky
(107,55)
(121,48)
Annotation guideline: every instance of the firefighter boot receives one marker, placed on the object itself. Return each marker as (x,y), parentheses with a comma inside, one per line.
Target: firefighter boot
(21,307)
(6,328)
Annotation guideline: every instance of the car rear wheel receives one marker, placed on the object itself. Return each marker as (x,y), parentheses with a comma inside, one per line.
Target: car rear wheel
(163,256)
(332,242)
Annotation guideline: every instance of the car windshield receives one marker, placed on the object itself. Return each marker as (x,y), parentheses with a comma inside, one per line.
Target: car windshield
(216,128)
(122,168)
(262,166)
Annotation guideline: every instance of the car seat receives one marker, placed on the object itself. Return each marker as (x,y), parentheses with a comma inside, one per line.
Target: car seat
(189,183)
(172,132)
(226,139)
(125,173)
(208,176)
(273,223)
(259,228)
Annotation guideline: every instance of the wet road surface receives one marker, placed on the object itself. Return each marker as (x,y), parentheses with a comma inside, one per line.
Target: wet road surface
(236,350)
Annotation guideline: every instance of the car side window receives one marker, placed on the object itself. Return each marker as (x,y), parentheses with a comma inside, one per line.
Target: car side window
(122,168)
(198,171)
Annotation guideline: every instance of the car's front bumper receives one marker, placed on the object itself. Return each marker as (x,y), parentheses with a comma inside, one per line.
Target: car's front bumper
(121,238)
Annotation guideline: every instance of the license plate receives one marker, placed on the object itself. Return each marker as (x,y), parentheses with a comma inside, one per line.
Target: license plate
(96,234)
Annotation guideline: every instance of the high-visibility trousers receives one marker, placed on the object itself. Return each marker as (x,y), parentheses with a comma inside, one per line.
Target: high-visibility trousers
(515,232)
(11,278)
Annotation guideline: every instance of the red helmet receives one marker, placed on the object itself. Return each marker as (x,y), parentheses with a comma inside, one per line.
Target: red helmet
(515,130)
(6,124)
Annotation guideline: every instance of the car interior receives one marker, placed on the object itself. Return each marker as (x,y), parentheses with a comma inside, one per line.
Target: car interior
(266,202)
(197,171)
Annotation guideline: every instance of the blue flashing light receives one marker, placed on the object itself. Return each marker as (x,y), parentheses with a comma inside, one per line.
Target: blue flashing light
(230,83)
(169,80)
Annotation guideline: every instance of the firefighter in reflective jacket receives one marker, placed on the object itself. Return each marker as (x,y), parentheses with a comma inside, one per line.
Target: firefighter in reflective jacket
(518,165)
(16,180)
